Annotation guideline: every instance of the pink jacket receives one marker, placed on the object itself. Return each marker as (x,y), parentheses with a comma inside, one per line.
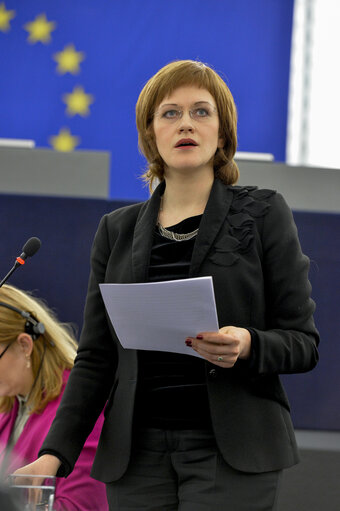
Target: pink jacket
(78,492)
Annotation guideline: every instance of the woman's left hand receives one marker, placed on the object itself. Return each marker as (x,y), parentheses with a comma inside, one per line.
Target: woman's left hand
(224,347)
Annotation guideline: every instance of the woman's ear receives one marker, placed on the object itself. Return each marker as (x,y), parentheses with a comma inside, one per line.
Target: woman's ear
(25,343)
(220,143)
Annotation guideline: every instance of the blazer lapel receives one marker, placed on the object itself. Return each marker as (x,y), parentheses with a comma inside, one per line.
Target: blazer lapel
(143,234)
(216,210)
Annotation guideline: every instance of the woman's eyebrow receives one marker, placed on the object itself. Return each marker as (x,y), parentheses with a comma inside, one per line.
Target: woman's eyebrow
(169,104)
(196,103)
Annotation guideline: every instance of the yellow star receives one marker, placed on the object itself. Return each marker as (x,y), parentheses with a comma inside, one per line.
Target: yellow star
(5,18)
(78,102)
(40,29)
(64,141)
(69,60)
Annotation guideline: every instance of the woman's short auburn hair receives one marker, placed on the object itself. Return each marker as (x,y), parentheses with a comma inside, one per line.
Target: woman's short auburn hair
(162,84)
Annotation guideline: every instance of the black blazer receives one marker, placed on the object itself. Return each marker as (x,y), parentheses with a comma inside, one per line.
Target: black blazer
(248,243)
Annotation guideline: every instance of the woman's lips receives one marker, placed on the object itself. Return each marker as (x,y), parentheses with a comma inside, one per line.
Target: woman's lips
(186,147)
(184,142)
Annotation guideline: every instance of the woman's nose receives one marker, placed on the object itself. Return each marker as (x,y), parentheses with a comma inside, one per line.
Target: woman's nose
(185,123)
(186,128)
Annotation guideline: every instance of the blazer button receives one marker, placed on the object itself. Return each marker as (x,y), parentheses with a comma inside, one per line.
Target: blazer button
(212,374)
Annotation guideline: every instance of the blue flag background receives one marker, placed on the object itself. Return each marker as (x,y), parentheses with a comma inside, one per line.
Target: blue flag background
(118,45)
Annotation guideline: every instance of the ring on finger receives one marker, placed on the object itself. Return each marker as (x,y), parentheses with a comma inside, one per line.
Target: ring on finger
(220,358)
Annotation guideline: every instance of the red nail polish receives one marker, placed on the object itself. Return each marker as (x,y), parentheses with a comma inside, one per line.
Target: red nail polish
(199,337)
(188,342)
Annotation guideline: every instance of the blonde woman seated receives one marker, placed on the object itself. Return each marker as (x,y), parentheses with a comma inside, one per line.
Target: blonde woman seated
(36,356)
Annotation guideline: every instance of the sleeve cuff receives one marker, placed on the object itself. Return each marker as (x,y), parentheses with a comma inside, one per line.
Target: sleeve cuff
(254,349)
(65,468)
(251,362)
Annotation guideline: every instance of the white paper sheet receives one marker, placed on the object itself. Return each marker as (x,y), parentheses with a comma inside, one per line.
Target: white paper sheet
(161,315)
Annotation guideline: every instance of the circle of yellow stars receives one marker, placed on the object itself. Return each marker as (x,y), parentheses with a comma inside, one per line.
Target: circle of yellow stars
(68,61)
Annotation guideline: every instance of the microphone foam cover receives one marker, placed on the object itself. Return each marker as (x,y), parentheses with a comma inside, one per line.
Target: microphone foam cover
(31,246)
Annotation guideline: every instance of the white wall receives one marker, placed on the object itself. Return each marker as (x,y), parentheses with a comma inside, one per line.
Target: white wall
(314,101)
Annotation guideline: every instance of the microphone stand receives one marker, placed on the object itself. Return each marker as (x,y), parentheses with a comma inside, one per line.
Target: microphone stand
(16,265)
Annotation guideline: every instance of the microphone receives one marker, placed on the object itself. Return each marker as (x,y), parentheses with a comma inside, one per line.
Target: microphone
(30,248)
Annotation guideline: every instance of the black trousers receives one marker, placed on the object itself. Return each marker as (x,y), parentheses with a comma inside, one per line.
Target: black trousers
(184,471)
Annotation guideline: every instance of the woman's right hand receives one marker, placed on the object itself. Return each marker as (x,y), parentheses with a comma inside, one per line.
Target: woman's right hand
(46,465)
(42,468)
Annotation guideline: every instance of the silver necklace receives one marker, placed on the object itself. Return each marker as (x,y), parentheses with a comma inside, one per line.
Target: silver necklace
(174,235)
(170,235)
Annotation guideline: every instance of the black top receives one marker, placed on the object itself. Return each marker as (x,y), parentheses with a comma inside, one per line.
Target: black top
(171,390)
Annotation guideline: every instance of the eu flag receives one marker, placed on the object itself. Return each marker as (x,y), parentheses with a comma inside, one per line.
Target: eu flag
(71,72)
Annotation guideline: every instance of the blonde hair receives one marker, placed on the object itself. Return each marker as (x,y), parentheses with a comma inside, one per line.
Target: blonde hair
(162,84)
(53,352)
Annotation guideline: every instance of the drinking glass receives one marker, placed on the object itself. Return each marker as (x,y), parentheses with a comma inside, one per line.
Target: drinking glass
(32,492)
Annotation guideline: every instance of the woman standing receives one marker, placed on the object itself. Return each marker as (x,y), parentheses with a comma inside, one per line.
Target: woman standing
(183,432)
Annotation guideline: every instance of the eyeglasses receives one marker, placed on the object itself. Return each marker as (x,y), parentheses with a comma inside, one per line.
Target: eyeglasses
(201,113)
(2,354)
